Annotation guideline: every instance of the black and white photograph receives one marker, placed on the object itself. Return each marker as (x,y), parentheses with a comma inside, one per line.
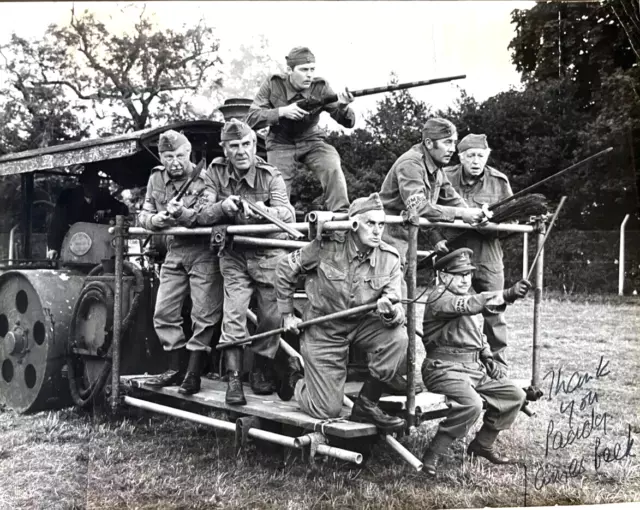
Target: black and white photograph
(319,254)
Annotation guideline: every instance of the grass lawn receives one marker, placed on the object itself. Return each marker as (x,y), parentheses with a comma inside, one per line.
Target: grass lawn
(66,459)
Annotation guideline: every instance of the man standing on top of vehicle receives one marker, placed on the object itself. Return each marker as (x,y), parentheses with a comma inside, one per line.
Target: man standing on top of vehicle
(416,180)
(247,270)
(479,184)
(294,136)
(190,267)
(87,202)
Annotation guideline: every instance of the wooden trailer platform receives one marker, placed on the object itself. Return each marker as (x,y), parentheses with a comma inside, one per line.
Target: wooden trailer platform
(270,407)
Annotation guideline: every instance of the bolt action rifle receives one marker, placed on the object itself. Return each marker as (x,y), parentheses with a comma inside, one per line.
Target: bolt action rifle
(315,105)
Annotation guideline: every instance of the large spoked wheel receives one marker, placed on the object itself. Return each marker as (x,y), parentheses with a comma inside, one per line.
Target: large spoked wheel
(35,312)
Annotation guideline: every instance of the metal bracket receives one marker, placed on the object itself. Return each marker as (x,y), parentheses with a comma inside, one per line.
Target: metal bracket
(242,430)
(220,239)
(317,438)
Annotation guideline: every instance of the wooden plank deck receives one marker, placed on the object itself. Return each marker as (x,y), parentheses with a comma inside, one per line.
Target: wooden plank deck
(270,407)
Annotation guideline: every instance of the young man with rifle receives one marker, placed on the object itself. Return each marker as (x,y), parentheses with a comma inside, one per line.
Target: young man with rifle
(460,364)
(244,190)
(345,271)
(417,180)
(177,196)
(481,185)
(294,136)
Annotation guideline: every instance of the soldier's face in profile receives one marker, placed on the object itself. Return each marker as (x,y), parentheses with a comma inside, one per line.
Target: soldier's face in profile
(441,150)
(458,283)
(177,161)
(473,161)
(241,153)
(301,76)
(370,228)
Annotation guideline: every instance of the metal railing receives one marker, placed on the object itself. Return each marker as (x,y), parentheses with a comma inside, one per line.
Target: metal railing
(246,234)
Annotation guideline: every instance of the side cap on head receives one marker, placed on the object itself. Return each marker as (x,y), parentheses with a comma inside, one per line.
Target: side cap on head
(458,261)
(300,55)
(170,140)
(234,130)
(438,128)
(472,141)
(362,205)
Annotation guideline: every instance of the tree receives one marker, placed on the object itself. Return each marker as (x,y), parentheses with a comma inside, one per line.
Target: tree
(130,80)
(579,41)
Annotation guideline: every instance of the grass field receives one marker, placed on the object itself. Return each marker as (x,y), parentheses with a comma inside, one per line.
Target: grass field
(66,459)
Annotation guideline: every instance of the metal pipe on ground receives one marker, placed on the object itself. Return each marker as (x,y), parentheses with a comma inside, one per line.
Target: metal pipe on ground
(291,442)
(404,453)
(330,451)
(179,413)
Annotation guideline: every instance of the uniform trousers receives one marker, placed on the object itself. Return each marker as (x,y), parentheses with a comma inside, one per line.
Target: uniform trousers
(466,385)
(325,350)
(319,157)
(190,268)
(247,274)
(495,325)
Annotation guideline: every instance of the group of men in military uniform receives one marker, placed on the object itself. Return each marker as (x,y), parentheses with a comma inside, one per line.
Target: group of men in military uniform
(342,270)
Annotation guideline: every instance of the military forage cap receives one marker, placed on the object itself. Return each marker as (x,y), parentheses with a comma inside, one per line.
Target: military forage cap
(234,130)
(362,205)
(472,141)
(438,128)
(458,261)
(171,140)
(300,55)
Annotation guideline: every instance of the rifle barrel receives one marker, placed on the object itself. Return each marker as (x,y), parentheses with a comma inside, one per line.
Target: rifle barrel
(408,85)
(276,221)
(194,176)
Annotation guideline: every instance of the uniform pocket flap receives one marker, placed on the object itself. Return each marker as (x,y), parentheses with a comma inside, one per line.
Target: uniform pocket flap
(330,272)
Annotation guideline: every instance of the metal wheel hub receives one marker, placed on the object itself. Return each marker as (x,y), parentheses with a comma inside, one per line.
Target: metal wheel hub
(15,342)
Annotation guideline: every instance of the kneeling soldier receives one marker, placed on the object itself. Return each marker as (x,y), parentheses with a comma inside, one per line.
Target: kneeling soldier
(246,270)
(190,267)
(459,362)
(351,269)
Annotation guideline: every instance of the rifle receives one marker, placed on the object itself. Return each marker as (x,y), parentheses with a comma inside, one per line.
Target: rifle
(272,219)
(196,173)
(424,262)
(314,105)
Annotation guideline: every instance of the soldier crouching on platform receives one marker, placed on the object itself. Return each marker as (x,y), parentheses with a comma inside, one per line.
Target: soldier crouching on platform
(247,270)
(190,267)
(351,269)
(294,136)
(459,362)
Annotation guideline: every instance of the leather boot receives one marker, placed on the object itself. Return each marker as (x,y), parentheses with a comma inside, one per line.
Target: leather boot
(288,380)
(439,445)
(483,446)
(261,376)
(176,372)
(191,383)
(366,410)
(235,392)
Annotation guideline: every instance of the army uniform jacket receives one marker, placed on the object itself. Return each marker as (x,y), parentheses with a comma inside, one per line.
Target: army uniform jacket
(162,188)
(453,321)
(492,187)
(416,181)
(276,92)
(262,183)
(343,277)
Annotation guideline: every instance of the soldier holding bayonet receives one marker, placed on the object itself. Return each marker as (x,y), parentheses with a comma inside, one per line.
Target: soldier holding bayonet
(190,267)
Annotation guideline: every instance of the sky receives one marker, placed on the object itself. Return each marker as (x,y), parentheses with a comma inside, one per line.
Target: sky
(357,44)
